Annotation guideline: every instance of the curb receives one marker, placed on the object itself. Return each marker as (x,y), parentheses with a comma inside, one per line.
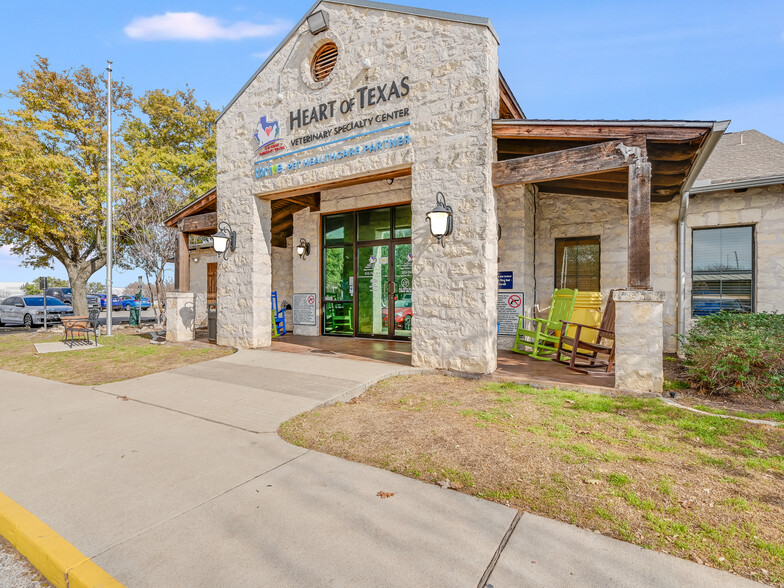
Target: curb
(59,561)
(723,416)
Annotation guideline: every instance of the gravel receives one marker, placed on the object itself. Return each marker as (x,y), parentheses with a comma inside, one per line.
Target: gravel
(16,571)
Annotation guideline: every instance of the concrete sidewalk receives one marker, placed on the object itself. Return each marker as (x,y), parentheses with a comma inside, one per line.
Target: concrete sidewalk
(179,479)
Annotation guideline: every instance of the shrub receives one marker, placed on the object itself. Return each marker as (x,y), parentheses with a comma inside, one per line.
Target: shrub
(731,353)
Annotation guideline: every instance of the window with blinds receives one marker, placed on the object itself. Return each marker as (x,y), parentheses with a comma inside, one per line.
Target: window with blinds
(324,61)
(577,263)
(722,270)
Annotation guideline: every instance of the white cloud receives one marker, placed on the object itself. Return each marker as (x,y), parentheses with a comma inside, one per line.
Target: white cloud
(7,258)
(192,26)
(263,54)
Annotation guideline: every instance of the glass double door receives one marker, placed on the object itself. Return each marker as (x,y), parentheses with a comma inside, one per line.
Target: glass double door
(384,290)
(367,273)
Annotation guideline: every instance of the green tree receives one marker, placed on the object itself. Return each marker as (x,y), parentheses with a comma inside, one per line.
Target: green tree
(96,287)
(173,136)
(34,287)
(52,170)
(168,157)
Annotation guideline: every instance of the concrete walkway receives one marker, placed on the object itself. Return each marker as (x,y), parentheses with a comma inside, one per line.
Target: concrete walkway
(179,479)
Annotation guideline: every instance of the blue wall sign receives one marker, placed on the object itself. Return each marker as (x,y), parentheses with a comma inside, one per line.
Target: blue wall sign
(505,280)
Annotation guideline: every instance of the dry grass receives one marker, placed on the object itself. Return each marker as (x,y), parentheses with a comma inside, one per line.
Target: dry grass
(698,487)
(123,356)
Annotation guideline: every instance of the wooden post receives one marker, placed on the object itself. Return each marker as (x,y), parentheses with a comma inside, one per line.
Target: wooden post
(639,253)
(182,265)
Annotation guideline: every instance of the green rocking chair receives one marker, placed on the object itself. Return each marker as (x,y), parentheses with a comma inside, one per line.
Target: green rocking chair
(543,340)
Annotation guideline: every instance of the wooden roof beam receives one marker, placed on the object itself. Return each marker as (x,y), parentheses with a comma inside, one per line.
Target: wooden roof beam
(568,163)
(286,211)
(669,152)
(199,222)
(559,132)
(311,201)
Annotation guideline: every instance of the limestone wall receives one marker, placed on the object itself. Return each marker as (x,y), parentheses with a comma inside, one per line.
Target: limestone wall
(560,216)
(451,72)
(516,245)
(199,259)
(369,195)
(761,207)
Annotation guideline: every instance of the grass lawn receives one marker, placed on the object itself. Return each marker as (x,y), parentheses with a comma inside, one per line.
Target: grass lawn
(698,487)
(123,356)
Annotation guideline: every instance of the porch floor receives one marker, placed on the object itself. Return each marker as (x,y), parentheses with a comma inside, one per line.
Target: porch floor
(367,349)
(511,366)
(514,366)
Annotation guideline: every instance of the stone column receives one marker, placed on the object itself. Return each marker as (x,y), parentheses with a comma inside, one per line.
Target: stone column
(180,316)
(455,287)
(639,340)
(245,276)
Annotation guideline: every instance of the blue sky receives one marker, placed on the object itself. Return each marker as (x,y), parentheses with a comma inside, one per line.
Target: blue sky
(709,60)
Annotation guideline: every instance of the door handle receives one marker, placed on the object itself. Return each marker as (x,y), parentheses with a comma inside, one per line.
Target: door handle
(391,287)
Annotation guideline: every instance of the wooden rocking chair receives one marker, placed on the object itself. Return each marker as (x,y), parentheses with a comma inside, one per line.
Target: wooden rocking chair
(583,356)
(543,340)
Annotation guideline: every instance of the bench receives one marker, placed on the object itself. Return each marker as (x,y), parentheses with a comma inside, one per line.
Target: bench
(82,325)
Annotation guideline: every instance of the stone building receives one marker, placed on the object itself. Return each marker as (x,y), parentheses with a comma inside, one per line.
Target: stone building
(332,155)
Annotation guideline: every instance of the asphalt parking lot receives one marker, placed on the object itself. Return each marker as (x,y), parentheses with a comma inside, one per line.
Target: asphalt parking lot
(118,317)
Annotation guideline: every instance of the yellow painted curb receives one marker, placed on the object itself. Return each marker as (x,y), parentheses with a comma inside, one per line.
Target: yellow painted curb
(59,561)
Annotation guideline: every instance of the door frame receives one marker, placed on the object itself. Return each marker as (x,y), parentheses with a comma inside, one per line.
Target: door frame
(391,244)
(356,244)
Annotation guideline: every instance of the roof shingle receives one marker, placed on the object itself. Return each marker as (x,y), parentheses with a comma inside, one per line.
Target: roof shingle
(743,155)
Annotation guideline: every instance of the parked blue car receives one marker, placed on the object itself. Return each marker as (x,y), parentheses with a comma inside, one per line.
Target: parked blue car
(131,302)
(116,302)
(703,306)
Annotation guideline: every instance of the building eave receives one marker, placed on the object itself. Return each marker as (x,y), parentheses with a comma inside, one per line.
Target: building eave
(191,207)
(738,184)
(704,154)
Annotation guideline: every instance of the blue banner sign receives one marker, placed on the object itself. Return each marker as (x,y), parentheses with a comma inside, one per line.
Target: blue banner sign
(505,280)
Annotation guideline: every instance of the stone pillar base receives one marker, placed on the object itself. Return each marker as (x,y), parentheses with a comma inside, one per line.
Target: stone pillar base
(180,316)
(639,340)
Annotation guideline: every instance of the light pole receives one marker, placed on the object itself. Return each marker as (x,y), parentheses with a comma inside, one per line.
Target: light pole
(109,243)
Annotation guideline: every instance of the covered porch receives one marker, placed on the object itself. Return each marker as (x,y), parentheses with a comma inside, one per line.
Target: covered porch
(593,206)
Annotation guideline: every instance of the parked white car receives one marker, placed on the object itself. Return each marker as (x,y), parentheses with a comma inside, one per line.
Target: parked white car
(29,310)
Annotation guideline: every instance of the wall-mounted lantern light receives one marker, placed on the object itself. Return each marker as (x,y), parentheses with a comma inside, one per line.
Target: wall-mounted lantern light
(224,240)
(303,249)
(318,22)
(440,219)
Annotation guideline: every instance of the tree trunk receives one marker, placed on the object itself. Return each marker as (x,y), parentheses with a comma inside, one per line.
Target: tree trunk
(78,278)
(161,296)
(78,275)
(153,298)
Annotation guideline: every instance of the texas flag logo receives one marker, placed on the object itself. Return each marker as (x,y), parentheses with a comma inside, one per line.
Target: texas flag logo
(267,134)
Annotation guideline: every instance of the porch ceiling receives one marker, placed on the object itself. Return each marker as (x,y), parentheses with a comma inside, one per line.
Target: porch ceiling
(283,215)
(672,149)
